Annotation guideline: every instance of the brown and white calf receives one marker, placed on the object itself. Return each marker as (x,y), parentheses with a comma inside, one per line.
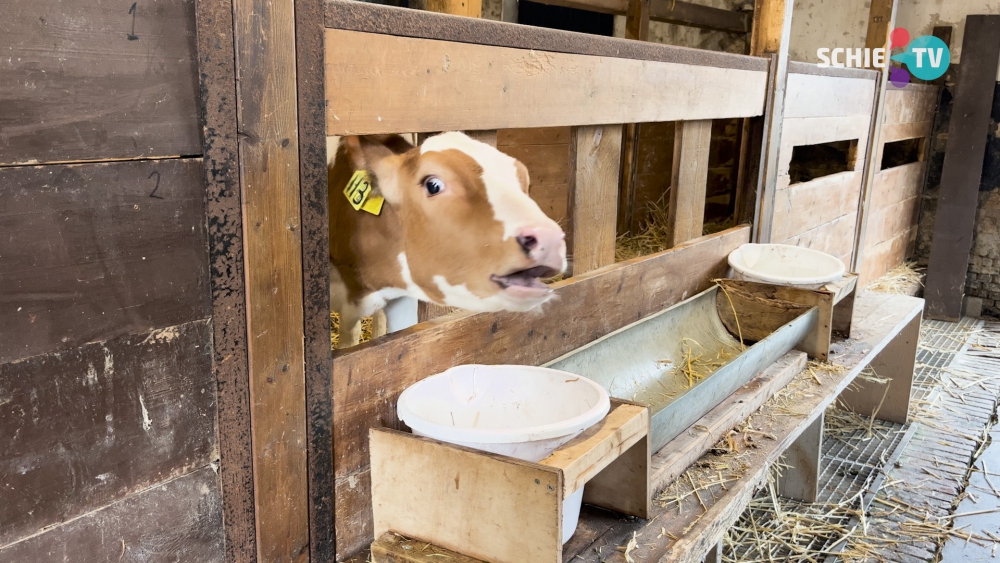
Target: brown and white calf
(457,228)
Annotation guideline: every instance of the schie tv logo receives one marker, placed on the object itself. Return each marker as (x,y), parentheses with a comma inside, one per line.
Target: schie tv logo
(926,57)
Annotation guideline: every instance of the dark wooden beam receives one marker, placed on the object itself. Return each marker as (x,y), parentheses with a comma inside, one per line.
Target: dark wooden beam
(963,165)
(703,17)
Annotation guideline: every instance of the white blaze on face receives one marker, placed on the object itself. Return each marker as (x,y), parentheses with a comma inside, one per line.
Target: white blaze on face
(511,206)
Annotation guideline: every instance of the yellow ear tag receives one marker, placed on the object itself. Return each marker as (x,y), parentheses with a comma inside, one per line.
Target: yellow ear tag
(358,190)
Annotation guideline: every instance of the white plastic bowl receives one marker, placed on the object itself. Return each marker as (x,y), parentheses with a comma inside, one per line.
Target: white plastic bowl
(782,264)
(524,412)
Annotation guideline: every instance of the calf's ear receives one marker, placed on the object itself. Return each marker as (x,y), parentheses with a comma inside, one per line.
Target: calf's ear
(382,156)
(522,175)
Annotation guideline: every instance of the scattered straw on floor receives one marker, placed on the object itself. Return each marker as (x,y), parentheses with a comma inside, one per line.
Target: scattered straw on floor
(696,365)
(901,279)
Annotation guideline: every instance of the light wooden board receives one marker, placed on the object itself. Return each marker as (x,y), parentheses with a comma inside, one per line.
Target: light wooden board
(892,132)
(799,477)
(429,490)
(881,19)
(811,95)
(835,237)
(369,378)
(269,166)
(913,104)
(467,8)
(384,84)
(890,400)
(772,26)
(589,453)
(594,157)
(811,204)
(689,177)
(815,130)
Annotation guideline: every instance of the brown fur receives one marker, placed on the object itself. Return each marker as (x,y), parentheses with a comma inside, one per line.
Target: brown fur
(453,234)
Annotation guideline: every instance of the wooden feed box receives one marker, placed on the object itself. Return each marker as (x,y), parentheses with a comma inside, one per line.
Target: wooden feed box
(497,508)
(774,305)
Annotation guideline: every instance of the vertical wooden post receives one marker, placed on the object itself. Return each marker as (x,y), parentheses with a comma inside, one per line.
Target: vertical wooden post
(800,480)
(962,171)
(269,166)
(594,160)
(217,71)
(508,11)
(467,8)
(772,26)
(636,27)
(689,180)
(881,19)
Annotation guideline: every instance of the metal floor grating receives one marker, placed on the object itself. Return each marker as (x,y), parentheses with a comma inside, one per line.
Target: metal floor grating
(853,475)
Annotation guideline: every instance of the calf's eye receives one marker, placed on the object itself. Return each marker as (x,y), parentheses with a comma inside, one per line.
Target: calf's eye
(433,185)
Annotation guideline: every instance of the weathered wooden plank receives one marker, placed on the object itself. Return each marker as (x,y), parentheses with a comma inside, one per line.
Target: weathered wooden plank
(689,177)
(808,205)
(86,427)
(799,478)
(96,80)
(811,95)
(269,165)
(963,163)
(588,454)
(381,84)
(815,130)
(369,378)
(315,228)
(772,25)
(892,132)
(466,8)
(835,237)
(388,20)
(687,448)
(93,251)
(912,104)
(180,520)
(595,157)
(217,71)
(881,19)
(507,138)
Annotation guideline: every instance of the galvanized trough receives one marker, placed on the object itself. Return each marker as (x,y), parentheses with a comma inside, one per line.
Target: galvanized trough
(647,362)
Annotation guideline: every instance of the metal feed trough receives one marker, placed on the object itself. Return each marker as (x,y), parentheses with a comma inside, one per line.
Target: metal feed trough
(647,362)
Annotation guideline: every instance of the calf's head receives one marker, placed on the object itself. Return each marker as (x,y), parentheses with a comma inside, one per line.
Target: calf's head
(471,236)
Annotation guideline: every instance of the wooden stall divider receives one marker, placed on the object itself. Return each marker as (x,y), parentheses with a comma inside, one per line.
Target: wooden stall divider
(772,26)
(269,165)
(594,158)
(881,20)
(689,180)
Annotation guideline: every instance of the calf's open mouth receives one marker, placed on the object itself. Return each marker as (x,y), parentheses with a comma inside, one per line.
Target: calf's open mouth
(531,277)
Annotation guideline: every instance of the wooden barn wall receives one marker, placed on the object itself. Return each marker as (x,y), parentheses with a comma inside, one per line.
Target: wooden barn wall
(108,403)
(895,203)
(822,213)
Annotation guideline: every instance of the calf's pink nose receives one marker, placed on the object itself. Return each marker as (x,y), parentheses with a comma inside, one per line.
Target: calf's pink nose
(545,245)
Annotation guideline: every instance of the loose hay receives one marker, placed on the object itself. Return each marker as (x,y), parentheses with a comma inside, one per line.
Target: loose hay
(902,280)
(366,329)
(651,239)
